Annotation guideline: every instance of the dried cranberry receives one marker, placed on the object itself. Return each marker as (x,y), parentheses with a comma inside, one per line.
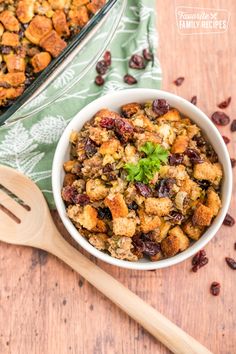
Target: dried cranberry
(229,220)
(90,147)
(108,168)
(107,123)
(101,67)
(199,140)
(199,260)
(138,243)
(233,162)
(104,213)
(136,62)
(123,129)
(231,263)
(160,106)
(175,159)
(233,126)
(226,139)
(194,156)
(107,57)
(179,81)
(176,217)
(225,103)
(194,100)
(99,81)
(151,248)
(69,194)
(130,80)
(5,49)
(220,118)
(203,183)
(164,187)
(133,206)
(143,189)
(235,246)
(82,199)
(147,55)
(215,288)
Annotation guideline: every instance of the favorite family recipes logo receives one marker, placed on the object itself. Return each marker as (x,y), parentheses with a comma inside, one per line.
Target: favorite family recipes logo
(196,20)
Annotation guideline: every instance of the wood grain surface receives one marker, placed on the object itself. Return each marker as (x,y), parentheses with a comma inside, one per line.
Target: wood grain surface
(46,308)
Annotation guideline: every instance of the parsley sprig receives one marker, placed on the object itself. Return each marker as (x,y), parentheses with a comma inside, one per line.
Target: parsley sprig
(146,167)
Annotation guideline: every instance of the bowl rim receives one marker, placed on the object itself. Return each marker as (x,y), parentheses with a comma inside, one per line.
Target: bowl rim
(56,185)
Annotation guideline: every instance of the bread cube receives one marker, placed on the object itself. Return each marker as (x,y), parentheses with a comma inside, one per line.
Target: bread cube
(40,61)
(79,16)
(14,63)
(172,116)
(158,206)
(129,109)
(53,43)
(175,242)
(124,226)
(148,222)
(99,241)
(87,217)
(10,39)
(213,201)
(117,205)
(180,144)
(95,5)
(193,231)
(60,24)
(39,27)
(100,226)
(96,189)
(25,10)
(109,147)
(9,21)
(208,171)
(202,215)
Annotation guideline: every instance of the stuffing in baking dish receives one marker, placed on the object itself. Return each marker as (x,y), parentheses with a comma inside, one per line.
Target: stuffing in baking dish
(32,33)
(142,182)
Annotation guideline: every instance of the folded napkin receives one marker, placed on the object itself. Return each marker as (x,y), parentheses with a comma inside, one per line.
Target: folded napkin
(29,144)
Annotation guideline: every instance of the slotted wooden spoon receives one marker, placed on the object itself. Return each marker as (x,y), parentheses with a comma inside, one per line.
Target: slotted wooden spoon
(27,221)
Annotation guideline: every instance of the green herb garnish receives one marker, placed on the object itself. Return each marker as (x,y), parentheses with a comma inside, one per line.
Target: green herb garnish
(146,167)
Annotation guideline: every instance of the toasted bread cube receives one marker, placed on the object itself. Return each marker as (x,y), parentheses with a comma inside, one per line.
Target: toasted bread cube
(95,5)
(10,39)
(78,3)
(164,229)
(141,121)
(96,189)
(124,226)
(9,21)
(148,222)
(106,113)
(10,93)
(172,116)
(158,206)
(38,28)
(180,144)
(14,63)
(100,227)
(68,165)
(13,79)
(109,147)
(213,201)
(194,232)
(99,241)
(202,215)
(79,16)
(191,188)
(121,248)
(25,10)
(178,172)
(58,4)
(117,205)
(147,136)
(53,44)
(129,109)
(60,24)
(40,61)
(69,179)
(210,172)
(87,218)
(175,242)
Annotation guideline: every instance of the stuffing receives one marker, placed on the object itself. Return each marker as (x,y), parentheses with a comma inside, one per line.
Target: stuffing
(69,179)
(175,242)
(38,28)
(167,134)
(60,24)
(10,39)
(100,226)
(124,226)
(194,232)
(141,121)
(9,21)
(15,63)
(213,201)
(180,144)
(99,241)
(141,139)
(79,16)
(95,5)
(53,43)
(25,10)
(131,155)
(40,61)
(148,222)
(191,188)
(121,247)
(202,215)
(12,79)
(129,109)
(96,189)
(171,116)
(158,206)
(106,113)
(86,217)
(58,4)
(208,171)
(117,205)
(178,172)
(98,135)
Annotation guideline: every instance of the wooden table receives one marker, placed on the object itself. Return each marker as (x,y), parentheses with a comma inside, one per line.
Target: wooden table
(46,308)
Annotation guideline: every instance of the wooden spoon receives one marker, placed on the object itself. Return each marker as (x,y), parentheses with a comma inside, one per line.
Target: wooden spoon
(27,221)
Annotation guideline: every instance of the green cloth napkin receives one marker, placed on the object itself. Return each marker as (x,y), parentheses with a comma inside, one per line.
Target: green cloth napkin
(28,145)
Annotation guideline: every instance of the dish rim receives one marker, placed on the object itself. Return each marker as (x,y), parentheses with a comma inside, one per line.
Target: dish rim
(118,97)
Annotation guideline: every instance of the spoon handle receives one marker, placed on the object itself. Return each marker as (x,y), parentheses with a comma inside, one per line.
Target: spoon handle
(160,327)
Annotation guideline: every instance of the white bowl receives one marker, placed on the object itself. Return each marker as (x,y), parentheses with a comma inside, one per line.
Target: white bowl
(113,101)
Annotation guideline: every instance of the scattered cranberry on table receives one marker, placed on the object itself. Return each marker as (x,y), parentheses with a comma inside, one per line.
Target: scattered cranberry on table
(194,100)
(199,260)
(226,139)
(179,81)
(231,262)
(233,126)
(220,118)
(215,288)
(229,220)
(147,55)
(233,162)
(225,103)
(130,80)
(99,81)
